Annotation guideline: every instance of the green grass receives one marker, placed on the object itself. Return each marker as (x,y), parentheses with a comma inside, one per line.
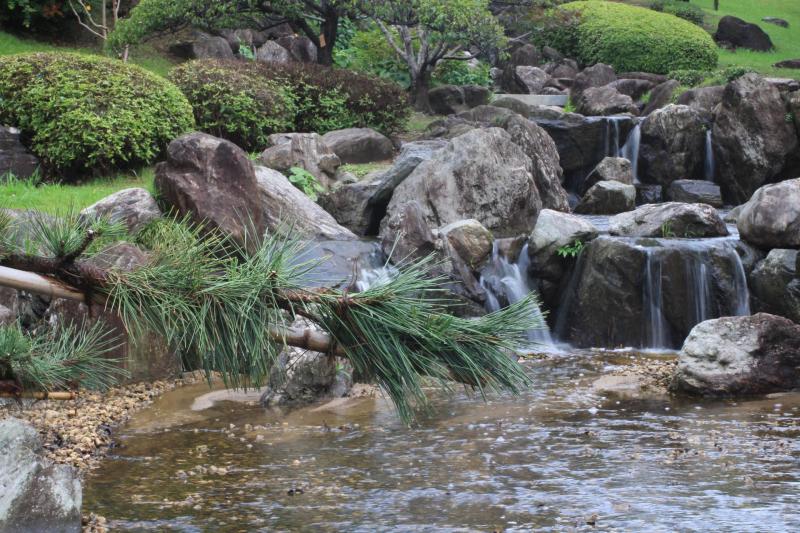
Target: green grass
(56,198)
(786,40)
(144,56)
(362,169)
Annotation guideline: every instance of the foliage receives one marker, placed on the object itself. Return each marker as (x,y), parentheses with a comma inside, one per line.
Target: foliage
(330,99)
(246,52)
(681,9)
(235,101)
(306,182)
(571,250)
(361,170)
(632,38)
(689,77)
(83,114)
(462,73)
(59,358)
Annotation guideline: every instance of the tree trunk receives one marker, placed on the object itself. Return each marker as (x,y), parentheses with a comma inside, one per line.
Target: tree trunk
(329,29)
(420,85)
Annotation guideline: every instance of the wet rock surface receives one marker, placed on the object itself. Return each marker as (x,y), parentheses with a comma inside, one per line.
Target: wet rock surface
(672,145)
(607,198)
(775,284)
(695,192)
(771,219)
(670,219)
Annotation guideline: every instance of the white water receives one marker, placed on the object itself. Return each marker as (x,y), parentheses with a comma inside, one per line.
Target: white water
(709,166)
(508,282)
(630,150)
(371,277)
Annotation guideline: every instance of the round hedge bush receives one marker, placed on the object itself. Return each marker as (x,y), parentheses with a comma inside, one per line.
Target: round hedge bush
(89,115)
(233,100)
(632,38)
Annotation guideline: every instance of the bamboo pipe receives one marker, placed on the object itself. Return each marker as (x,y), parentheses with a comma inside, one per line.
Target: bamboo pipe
(307,339)
(61,396)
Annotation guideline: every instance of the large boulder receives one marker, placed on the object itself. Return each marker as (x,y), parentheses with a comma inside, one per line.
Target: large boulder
(359,145)
(775,284)
(604,101)
(553,231)
(35,495)
(607,198)
(635,88)
(134,208)
(788,63)
(741,355)
(609,169)
(660,96)
(302,150)
(752,138)
(272,52)
(286,207)
(301,48)
(213,182)
(542,151)
(672,145)
(597,75)
(670,219)
(14,157)
(532,79)
(471,241)
(525,55)
(202,46)
(481,174)
(742,34)
(771,219)
(695,192)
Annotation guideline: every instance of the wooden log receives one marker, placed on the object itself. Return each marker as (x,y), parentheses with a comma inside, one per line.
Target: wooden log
(62,396)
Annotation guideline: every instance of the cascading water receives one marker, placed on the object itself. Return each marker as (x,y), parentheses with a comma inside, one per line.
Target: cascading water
(630,150)
(506,283)
(612,136)
(708,162)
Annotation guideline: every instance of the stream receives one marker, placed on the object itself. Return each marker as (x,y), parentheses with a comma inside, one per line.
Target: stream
(562,456)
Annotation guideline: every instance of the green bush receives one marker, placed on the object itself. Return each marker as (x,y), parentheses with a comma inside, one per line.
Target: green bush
(90,115)
(680,9)
(233,100)
(631,38)
(689,77)
(330,98)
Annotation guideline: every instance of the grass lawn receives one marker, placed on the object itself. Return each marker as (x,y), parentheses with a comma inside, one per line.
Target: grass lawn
(144,56)
(56,198)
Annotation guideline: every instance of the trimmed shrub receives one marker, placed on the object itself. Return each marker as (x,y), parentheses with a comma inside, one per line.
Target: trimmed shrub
(689,78)
(90,115)
(633,38)
(680,9)
(331,99)
(234,101)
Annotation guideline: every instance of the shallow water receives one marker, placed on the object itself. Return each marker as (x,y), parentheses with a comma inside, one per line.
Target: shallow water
(545,461)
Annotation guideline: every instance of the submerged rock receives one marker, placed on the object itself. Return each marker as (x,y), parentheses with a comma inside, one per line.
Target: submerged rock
(35,495)
(771,219)
(743,355)
(671,219)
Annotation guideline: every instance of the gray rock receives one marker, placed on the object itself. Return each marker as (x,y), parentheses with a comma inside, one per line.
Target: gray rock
(604,101)
(133,207)
(236,38)
(531,78)
(740,355)
(551,54)
(15,159)
(411,155)
(7,316)
(349,204)
(610,169)
(752,139)
(695,192)
(655,79)
(359,145)
(634,88)
(470,240)
(776,21)
(272,52)
(670,219)
(212,181)
(702,98)
(672,145)
(742,34)
(453,184)
(447,100)
(284,206)
(35,495)
(660,96)
(733,215)
(300,47)
(303,150)
(649,194)
(595,76)
(775,284)
(553,231)
(563,69)
(607,198)
(203,46)
(788,63)
(771,219)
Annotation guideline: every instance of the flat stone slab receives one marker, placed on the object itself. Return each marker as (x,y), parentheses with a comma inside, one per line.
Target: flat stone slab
(559,100)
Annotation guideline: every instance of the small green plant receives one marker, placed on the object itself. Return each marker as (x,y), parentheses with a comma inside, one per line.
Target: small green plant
(569,107)
(789,117)
(246,52)
(306,182)
(667,231)
(571,250)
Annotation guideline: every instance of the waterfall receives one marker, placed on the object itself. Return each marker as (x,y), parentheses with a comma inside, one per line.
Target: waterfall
(612,136)
(700,272)
(708,162)
(371,277)
(630,151)
(506,283)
